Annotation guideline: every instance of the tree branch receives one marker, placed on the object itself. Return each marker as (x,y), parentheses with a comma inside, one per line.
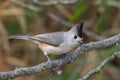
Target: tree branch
(59,62)
(101,66)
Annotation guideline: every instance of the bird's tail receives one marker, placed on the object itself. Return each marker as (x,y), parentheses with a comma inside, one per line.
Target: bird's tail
(19,37)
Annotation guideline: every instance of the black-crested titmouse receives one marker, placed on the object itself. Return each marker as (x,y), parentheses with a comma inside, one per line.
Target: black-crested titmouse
(57,43)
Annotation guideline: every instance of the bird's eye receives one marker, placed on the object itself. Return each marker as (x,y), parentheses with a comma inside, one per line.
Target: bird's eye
(75,37)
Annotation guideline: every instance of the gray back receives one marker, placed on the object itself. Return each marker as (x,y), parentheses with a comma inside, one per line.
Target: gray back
(55,38)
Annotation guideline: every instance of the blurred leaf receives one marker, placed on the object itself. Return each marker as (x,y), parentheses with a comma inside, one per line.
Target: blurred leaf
(81,8)
(13,28)
(31,16)
(105,19)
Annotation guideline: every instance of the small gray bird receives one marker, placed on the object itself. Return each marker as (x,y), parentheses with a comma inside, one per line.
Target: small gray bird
(57,43)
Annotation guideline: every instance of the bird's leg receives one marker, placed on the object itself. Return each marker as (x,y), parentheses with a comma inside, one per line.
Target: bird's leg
(53,69)
(49,61)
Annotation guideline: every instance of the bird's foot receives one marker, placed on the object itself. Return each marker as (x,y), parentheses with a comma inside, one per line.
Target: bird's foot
(69,58)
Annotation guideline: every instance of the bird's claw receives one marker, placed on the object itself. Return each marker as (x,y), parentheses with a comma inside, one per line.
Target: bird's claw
(69,58)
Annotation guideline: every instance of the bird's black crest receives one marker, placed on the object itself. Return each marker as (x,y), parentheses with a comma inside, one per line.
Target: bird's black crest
(79,29)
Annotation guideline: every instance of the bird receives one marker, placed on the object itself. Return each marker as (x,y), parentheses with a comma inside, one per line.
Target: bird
(56,43)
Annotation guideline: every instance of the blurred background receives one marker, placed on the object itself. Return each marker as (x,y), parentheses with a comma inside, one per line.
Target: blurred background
(28,17)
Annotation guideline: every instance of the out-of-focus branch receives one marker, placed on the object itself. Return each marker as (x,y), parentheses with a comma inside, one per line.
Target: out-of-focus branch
(93,35)
(29,7)
(59,20)
(55,2)
(4,38)
(59,62)
(101,66)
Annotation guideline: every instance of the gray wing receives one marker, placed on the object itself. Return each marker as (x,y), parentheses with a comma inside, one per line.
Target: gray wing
(55,38)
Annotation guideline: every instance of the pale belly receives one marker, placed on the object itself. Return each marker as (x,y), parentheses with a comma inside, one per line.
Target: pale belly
(57,50)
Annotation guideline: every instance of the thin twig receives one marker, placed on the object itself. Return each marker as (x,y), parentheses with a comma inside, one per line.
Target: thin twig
(59,62)
(55,2)
(29,7)
(101,66)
